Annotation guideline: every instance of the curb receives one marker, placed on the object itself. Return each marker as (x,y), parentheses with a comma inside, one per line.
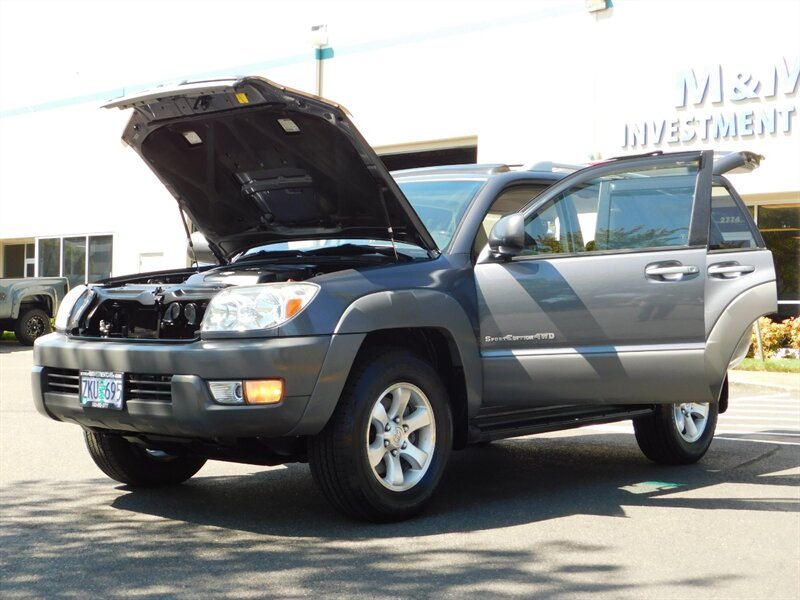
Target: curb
(784,382)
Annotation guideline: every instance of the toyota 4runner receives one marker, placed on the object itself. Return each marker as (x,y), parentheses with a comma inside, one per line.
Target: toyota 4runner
(370,324)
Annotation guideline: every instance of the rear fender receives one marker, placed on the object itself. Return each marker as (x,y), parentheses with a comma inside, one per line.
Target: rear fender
(734,323)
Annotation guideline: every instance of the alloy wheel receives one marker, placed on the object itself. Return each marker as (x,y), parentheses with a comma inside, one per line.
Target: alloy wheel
(691,419)
(401,437)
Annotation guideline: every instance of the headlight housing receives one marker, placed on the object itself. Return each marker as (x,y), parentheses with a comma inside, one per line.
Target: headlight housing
(252,308)
(72,307)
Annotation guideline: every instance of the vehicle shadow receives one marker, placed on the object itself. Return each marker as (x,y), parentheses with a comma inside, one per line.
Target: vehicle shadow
(258,533)
(485,487)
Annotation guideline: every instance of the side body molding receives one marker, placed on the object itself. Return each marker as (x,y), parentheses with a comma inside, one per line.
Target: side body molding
(415,308)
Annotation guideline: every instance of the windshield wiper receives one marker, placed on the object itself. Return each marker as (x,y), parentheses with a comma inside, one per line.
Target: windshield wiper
(271,254)
(326,251)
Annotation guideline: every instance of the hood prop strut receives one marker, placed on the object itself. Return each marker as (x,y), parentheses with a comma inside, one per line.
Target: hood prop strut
(388,222)
(189,238)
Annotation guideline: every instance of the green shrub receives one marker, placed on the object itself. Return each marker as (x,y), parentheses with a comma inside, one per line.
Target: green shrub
(775,336)
(793,332)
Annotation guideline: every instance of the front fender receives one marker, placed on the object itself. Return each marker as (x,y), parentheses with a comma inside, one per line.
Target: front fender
(404,309)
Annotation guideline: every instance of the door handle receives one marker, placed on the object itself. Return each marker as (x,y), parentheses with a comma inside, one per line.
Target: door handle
(729,270)
(670,272)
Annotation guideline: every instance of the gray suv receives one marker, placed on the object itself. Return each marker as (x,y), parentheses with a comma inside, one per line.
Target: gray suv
(370,324)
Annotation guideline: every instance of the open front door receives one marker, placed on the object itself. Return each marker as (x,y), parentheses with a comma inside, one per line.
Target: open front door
(605,304)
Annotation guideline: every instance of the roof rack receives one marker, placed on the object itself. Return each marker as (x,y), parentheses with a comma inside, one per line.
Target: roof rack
(468,169)
(552,167)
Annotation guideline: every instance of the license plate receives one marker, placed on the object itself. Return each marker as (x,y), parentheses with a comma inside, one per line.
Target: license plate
(101,389)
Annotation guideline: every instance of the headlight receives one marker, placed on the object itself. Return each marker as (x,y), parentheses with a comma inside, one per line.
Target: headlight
(72,307)
(257,307)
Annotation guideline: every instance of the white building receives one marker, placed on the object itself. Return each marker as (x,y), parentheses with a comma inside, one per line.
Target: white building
(436,81)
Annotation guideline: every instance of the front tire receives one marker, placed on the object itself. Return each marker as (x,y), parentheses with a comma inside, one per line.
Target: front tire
(677,434)
(383,452)
(137,466)
(32,323)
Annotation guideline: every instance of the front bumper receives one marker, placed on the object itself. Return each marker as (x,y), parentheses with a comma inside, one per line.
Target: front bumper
(182,406)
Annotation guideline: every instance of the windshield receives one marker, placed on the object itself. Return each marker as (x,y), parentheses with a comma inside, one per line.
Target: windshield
(441,204)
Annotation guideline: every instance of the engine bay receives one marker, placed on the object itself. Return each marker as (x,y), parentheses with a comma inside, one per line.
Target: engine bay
(170,305)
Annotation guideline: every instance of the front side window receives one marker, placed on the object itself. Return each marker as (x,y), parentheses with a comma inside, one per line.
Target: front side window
(508,201)
(626,210)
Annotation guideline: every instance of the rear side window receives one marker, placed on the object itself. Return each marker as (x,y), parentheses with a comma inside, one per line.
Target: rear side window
(730,227)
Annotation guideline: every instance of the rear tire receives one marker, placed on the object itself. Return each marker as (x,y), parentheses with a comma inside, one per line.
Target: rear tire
(32,323)
(137,466)
(677,434)
(383,452)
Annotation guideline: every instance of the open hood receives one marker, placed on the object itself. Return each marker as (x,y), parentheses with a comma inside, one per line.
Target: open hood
(252,162)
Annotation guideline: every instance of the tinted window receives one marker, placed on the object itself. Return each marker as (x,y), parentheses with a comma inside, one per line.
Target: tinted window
(648,208)
(50,257)
(74,260)
(100,253)
(14,260)
(729,228)
(780,227)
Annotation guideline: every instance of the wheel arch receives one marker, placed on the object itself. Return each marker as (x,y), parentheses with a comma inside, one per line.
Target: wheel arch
(729,336)
(429,323)
(27,299)
(437,347)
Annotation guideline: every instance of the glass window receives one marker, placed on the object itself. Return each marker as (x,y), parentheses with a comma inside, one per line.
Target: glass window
(14,260)
(81,259)
(552,231)
(74,260)
(780,228)
(648,208)
(729,228)
(50,257)
(509,201)
(440,204)
(100,249)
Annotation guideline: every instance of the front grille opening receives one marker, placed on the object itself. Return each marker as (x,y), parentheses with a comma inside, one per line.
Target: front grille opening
(138,386)
(65,381)
(148,387)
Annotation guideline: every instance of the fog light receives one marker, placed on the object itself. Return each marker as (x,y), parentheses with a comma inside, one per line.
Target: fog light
(265,391)
(227,392)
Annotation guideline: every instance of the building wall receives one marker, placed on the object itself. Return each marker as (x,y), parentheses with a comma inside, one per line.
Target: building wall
(67,173)
(531,81)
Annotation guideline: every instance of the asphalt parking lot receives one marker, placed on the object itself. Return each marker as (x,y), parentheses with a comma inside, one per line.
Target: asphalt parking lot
(556,516)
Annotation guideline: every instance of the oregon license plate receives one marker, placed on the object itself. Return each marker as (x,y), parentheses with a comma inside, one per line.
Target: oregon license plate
(101,389)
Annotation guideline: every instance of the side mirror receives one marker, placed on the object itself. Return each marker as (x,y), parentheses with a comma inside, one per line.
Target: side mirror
(202,252)
(507,237)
